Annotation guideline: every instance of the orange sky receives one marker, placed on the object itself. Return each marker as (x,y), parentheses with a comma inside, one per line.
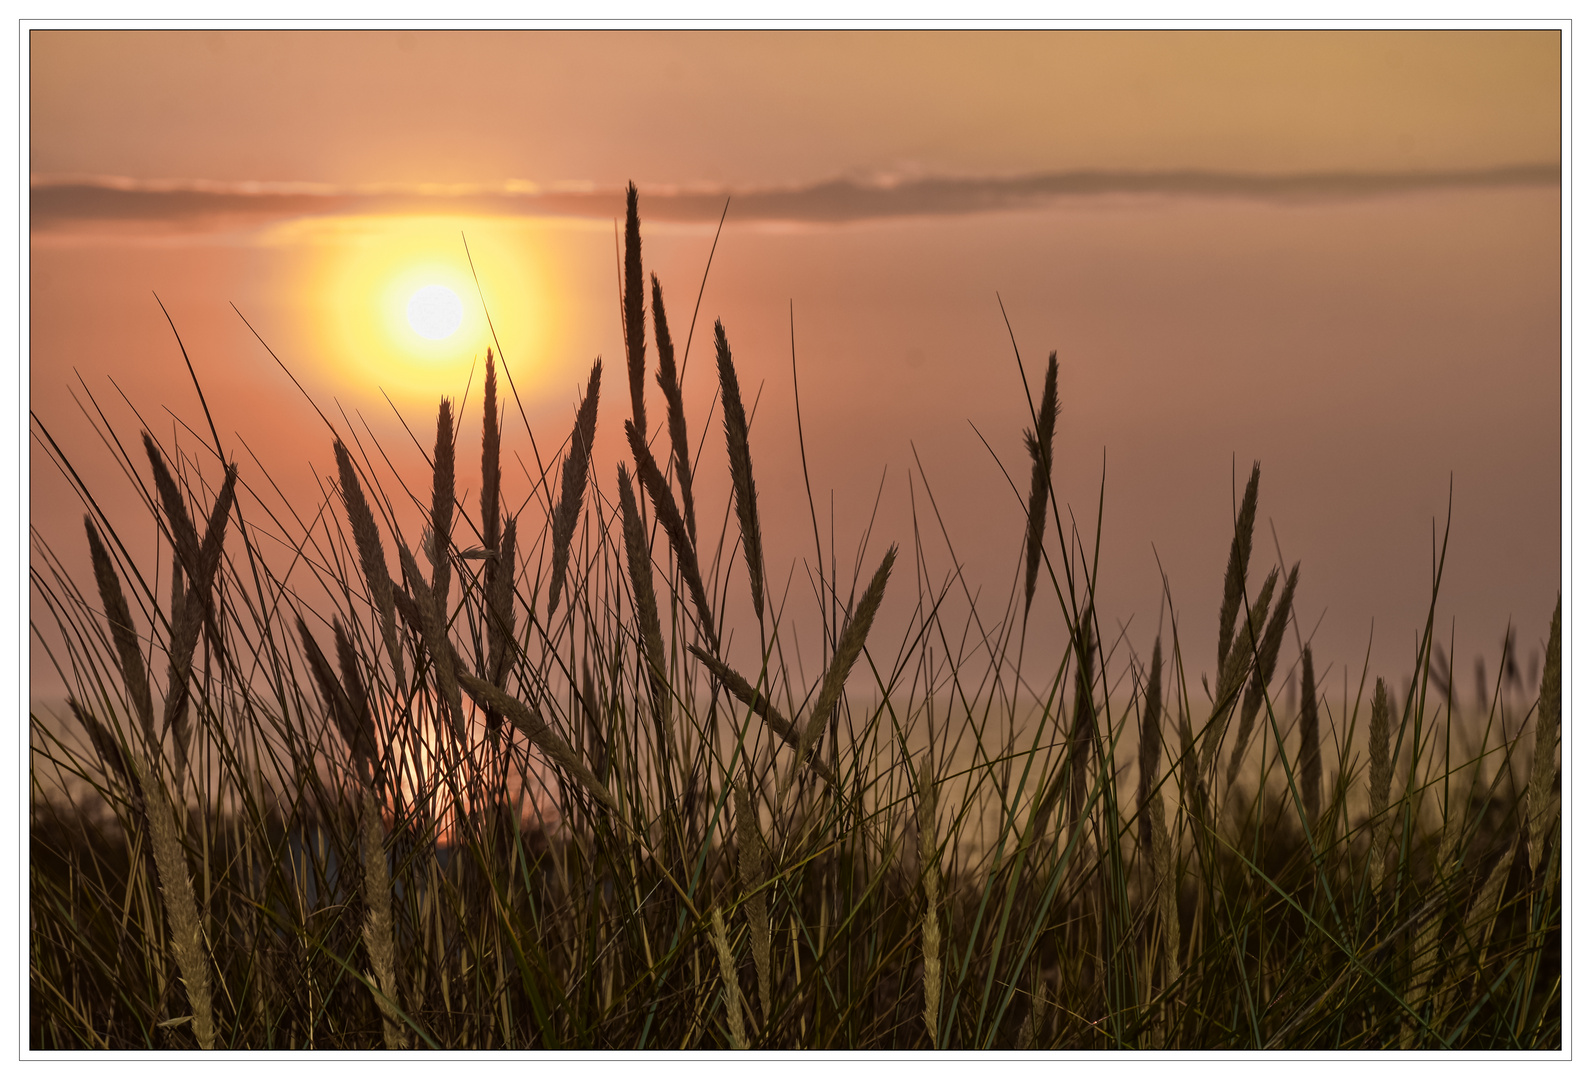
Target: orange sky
(1337,252)
(743,108)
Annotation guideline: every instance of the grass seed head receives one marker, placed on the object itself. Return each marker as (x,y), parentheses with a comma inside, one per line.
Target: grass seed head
(176,888)
(433,631)
(576,465)
(634,319)
(363,727)
(753,875)
(104,742)
(736,684)
(668,516)
(491,452)
(199,560)
(135,676)
(1380,781)
(1041,448)
(846,650)
(442,504)
(726,969)
(534,728)
(1081,744)
(339,708)
(1380,749)
(187,615)
(1270,648)
(372,559)
(215,531)
(639,560)
(736,435)
(183,536)
(668,380)
(1239,663)
(500,615)
(1237,566)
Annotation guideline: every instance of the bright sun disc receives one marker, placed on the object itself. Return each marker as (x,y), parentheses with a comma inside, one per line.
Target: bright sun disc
(435,312)
(366,285)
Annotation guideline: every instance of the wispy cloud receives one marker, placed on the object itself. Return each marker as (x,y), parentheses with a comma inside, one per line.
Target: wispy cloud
(58,202)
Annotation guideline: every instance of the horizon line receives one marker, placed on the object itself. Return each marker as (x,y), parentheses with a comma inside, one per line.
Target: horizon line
(58,200)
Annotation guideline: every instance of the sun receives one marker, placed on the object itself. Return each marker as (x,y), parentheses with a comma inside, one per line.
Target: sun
(435,312)
(391,302)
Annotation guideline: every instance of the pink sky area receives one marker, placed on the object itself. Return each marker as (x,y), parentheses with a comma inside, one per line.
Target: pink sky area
(1334,252)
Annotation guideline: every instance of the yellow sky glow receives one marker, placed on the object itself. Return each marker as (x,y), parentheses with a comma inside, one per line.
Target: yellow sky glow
(364,271)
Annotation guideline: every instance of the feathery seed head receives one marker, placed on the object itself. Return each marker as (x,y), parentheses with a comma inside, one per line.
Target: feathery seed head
(736,684)
(433,630)
(215,531)
(1380,749)
(1260,678)
(634,322)
(575,467)
(500,612)
(640,565)
(1149,745)
(736,435)
(1040,444)
(530,723)
(846,650)
(1237,565)
(668,380)
(372,559)
(726,968)
(363,728)
(668,516)
(183,536)
(753,854)
(134,675)
(338,707)
(491,471)
(104,742)
(442,503)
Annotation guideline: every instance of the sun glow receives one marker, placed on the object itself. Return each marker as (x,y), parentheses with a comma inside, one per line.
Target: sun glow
(393,303)
(436,778)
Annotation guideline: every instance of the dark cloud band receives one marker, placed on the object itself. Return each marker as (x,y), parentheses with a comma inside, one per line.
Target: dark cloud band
(62,202)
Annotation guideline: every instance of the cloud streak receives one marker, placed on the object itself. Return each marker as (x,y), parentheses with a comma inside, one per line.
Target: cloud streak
(64,202)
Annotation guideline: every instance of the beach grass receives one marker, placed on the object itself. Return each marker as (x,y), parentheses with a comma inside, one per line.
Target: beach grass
(526,800)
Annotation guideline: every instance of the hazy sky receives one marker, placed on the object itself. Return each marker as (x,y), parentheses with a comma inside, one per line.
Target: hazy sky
(737,108)
(1337,252)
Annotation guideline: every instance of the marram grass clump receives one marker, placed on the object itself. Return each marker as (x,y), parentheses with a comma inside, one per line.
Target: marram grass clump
(544,793)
